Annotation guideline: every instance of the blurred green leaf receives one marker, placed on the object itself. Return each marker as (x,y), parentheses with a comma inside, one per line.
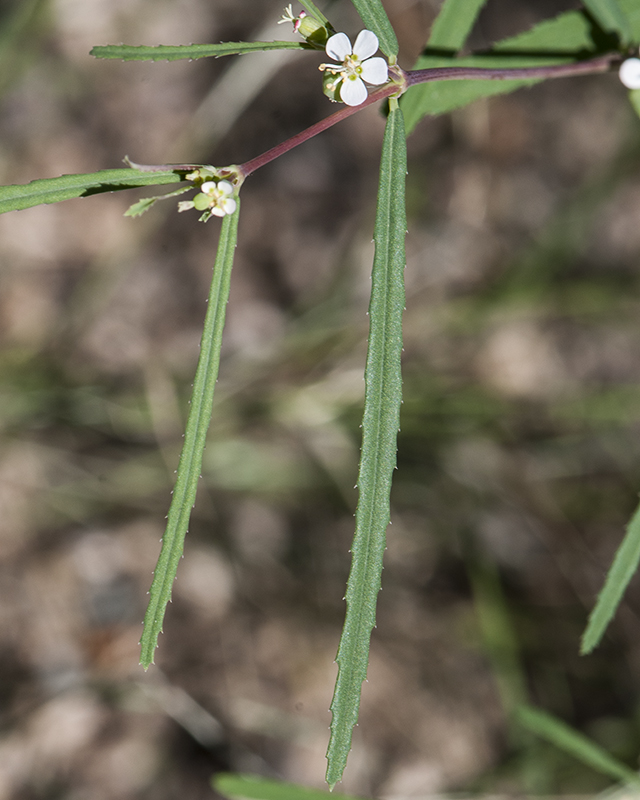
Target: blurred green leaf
(66,187)
(375,19)
(454,23)
(610,17)
(184,492)
(168,52)
(622,570)
(383,396)
(249,787)
(571,741)
(559,41)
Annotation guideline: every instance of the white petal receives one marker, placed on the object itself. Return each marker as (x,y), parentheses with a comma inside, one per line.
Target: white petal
(338,46)
(375,71)
(228,205)
(366,44)
(216,211)
(353,92)
(208,187)
(224,187)
(630,73)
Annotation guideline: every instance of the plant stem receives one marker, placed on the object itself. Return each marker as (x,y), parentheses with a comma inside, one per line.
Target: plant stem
(413,78)
(588,67)
(280,149)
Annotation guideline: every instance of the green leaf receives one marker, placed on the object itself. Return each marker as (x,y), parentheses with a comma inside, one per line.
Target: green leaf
(143,205)
(383,395)
(610,17)
(249,787)
(184,492)
(624,566)
(66,187)
(566,738)
(313,9)
(631,11)
(569,35)
(634,99)
(171,52)
(375,19)
(453,23)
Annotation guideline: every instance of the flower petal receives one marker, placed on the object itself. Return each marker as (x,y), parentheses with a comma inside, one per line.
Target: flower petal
(375,71)
(353,92)
(630,73)
(366,44)
(338,46)
(228,205)
(225,188)
(208,187)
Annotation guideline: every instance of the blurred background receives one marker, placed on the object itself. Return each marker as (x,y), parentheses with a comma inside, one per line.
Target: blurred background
(519,455)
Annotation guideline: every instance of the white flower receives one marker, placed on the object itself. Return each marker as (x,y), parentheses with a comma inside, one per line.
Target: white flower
(630,73)
(357,67)
(220,197)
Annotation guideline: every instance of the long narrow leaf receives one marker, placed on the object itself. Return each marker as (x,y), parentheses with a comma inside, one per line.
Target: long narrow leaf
(610,17)
(175,52)
(66,187)
(571,741)
(375,19)
(453,24)
(383,393)
(622,570)
(184,493)
(561,40)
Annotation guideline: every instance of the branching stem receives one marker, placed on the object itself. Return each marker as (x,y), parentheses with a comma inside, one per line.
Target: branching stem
(405,80)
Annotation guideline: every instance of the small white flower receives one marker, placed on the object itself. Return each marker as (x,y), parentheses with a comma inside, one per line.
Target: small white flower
(357,67)
(220,196)
(630,73)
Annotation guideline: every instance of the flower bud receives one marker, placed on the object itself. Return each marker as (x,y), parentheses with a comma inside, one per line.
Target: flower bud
(312,29)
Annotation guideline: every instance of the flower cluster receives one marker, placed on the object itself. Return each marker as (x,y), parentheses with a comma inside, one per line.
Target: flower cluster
(346,81)
(217,190)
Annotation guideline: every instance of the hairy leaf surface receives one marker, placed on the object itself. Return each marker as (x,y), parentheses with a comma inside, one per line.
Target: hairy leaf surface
(375,19)
(176,52)
(184,492)
(383,395)
(52,190)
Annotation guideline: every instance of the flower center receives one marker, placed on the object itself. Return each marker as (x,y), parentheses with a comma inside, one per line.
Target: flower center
(352,67)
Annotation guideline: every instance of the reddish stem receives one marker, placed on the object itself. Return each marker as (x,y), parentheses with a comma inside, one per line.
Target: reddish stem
(412,78)
(259,161)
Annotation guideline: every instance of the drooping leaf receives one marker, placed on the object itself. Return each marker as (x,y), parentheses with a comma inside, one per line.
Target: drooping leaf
(143,205)
(251,787)
(53,190)
(175,52)
(622,570)
(375,19)
(611,18)
(562,40)
(383,395)
(576,744)
(454,23)
(184,492)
